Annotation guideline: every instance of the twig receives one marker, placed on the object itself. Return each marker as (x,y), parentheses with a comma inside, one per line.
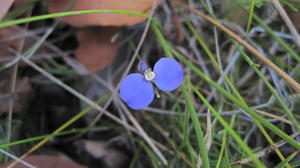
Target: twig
(264,151)
(287,21)
(16,159)
(143,133)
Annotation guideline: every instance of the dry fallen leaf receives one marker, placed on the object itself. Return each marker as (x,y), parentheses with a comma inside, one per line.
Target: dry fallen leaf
(104,19)
(4,7)
(46,161)
(95,49)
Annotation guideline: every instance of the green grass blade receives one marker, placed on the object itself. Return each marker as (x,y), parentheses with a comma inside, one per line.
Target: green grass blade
(228,128)
(286,161)
(161,39)
(154,160)
(28,140)
(295,164)
(277,38)
(265,122)
(19,10)
(62,14)
(224,143)
(197,126)
(250,15)
(186,140)
(135,158)
(270,87)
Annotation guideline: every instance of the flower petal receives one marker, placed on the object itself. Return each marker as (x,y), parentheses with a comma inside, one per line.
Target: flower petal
(142,67)
(168,74)
(136,91)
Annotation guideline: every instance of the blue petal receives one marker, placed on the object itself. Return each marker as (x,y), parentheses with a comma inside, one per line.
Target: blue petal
(142,67)
(136,91)
(168,74)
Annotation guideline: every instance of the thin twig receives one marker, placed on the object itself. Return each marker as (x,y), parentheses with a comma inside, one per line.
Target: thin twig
(16,159)
(287,21)
(264,151)
(143,133)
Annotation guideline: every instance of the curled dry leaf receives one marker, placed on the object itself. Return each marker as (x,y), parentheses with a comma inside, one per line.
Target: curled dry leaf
(96,50)
(4,7)
(104,19)
(46,161)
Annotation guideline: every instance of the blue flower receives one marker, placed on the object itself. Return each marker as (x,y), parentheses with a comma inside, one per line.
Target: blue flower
(137,90)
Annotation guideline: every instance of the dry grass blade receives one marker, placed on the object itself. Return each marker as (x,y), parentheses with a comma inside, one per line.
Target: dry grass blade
(249,47)
(274,116)
(199,162)
(208,135)
(263,152)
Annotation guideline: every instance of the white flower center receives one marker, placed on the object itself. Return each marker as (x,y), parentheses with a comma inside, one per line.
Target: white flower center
(149,75)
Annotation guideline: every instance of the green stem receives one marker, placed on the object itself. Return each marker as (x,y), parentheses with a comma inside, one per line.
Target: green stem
(62,14)
(197,126)
(250,15)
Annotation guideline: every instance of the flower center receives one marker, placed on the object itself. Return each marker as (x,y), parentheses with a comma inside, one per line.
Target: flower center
(149,75)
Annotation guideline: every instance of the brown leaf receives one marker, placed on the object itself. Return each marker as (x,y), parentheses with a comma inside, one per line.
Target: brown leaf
(46,161)
(4,7)
(104,19)
(95,49)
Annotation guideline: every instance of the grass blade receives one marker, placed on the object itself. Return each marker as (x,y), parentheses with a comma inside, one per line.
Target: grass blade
(228,128)
(197,126)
